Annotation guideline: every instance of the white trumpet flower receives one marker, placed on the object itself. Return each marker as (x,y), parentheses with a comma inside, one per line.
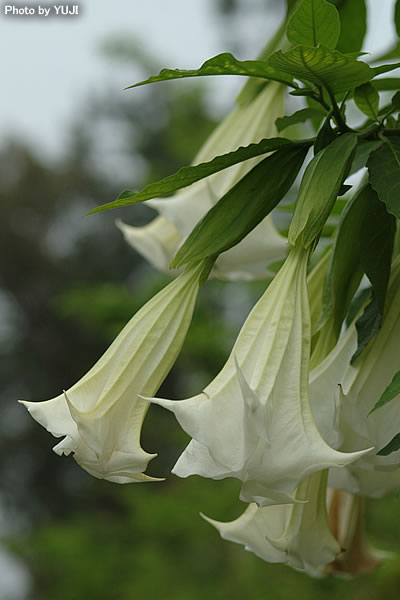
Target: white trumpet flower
(159,241)
(295,534)
(102,414)
(254,421)
(349,392)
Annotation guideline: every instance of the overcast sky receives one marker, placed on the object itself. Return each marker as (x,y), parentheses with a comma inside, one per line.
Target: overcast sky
(50,65)
(54,62)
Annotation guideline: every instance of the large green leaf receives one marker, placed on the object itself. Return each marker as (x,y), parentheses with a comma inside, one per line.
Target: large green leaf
(243,206)
(367,99)
(377,233)
(323,67)
(384,171)
(223,64)
(300,116)
(188,175)
(314,22)
(344,272)
(353,25)
(319,188)
(392,390)
(376,245)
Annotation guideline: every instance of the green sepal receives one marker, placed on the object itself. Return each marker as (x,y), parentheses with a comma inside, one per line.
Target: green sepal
(319,188)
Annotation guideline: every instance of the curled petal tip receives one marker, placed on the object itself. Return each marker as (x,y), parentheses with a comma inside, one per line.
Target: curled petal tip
(168,404)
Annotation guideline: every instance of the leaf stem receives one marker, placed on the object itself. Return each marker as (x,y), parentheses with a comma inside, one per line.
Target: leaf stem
(320,99)
(341,123)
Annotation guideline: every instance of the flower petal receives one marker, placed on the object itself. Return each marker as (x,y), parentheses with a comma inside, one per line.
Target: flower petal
(102,414)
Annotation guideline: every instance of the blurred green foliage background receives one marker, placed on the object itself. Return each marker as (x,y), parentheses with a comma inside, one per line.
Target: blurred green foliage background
(67,286)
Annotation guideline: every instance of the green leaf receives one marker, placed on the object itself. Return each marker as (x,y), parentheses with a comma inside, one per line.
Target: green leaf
(366,98)
(299,116)
(344,272)
(362,154)
(376,244)
(367,327)
(392,390)
(290,5)
(188,175)
(397,17)
(325,136)
(222,64)
(356,304)
(353,25)
(392,446)
(377,233)
(243,207)
(314,22)
(304,91)
(323,67)
(396,100)
(386,83)
(384,172)
(319,188)
(391,122)
(385,68)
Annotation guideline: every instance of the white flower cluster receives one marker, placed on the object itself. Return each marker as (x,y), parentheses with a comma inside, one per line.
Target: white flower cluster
(284,430)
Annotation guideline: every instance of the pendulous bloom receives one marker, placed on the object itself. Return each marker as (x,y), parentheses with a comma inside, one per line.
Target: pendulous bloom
(254,420)
(100,417)
(354,390)
(294,534)
(159,241)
